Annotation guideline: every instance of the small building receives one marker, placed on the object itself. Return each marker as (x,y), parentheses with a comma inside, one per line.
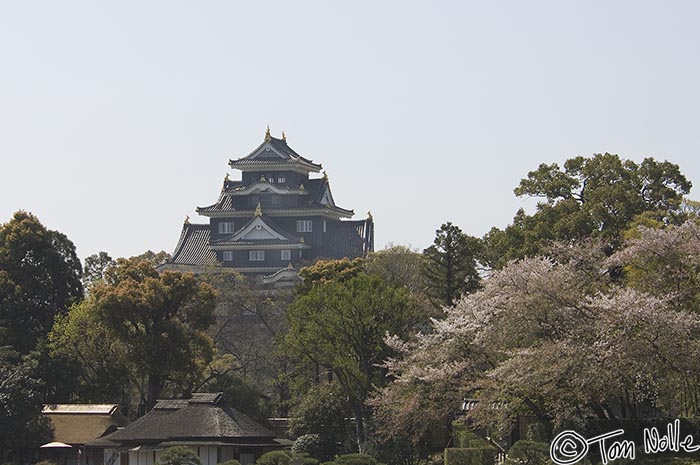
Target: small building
(205,423)
(273,220)
(76,425)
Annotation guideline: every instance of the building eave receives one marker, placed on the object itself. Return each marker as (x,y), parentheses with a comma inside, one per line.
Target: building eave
(325,212)
(296,165)
(253,246)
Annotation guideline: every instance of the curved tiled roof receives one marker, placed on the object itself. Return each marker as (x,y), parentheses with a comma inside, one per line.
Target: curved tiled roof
(286,237)
(352,239)
(286,155)
(193,246)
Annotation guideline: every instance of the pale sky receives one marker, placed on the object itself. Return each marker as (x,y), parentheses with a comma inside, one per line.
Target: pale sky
(117,119)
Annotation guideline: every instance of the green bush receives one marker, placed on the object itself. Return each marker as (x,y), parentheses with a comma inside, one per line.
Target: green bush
(470,456)
(316,445)
(178,455)
(303,459)
(464,438)
(526,452)
(275,457)
(355,459)
(230,462)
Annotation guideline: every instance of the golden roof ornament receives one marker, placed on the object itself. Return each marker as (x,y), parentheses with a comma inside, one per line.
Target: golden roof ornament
(263,178)
(284,136)
(258,210)
(226,177)
(369,215)
(187,219)
(325,175)
(301,187)
(268,136)
(302,239)
(289,266)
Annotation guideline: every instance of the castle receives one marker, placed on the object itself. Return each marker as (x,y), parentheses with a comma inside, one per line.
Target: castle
(273,220)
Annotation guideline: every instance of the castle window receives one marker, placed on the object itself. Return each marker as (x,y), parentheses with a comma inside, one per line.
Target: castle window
(286,255)
(304,226)
(281,180)
(256,255)
(228,255)
(226,227)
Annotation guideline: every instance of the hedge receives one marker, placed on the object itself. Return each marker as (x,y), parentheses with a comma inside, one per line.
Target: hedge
(470,456)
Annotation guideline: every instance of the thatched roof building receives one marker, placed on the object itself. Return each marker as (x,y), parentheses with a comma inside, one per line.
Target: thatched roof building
(206,423)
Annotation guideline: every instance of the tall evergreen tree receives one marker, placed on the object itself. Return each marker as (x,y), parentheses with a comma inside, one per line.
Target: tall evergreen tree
(451,265)
(39,278)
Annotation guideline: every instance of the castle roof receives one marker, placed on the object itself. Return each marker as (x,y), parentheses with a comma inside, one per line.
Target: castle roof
(274,153)
(259,231)
(318,198)
(354,238)
(193,246)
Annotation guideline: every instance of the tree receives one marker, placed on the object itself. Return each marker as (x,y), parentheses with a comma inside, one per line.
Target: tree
(451,265)
(398,265)
(340,325)
(21,424)
(95,266)
(39,279)
(591,197)
(323,411)
(555,336)
(83,337)
(248,333)
(178,455)
(160,319)
(329,270)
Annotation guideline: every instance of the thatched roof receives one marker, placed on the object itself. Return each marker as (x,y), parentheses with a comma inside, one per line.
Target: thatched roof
(77,424)
(201,418)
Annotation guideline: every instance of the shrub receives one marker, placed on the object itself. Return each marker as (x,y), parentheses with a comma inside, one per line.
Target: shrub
(316,445)
(470,456)
(230,462)
(275,457)
(178,455)
(526,452)
(465,438)
(303,459)
(355,459)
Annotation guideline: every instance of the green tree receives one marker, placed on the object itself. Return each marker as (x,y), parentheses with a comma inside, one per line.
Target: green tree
(597,197)
(340,325)
(95,266)
(21,424)
(329,270)
(450,265)
(398,265)
(178,455)
(83,337)
(39,279)
(160,319)
(323,411)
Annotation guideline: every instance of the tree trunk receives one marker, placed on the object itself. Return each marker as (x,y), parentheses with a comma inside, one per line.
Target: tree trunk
(155,385)
(359,413)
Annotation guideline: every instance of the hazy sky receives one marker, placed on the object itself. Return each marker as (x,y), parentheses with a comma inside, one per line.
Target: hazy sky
(117,119)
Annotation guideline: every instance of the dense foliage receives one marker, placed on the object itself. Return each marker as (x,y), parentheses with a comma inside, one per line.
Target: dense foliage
(39,279)
(599,197)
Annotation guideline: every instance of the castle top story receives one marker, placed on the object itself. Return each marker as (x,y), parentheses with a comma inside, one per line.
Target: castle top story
(273,220)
